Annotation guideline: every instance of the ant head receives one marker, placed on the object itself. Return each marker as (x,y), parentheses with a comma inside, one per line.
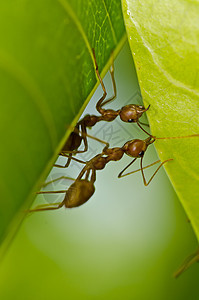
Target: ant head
(132,112)
(135,148)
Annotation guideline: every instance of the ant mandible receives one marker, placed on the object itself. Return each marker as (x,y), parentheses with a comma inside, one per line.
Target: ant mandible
(129,113)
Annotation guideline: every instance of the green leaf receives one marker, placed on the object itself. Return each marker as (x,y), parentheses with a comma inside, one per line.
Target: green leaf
(47,76)
(164,39)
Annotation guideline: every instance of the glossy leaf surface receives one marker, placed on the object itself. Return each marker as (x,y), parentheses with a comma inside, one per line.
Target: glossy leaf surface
(164,39)
(47,74)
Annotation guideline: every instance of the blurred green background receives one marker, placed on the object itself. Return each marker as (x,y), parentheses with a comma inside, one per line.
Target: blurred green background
(125,243)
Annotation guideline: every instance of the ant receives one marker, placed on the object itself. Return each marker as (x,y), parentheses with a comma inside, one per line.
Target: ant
(129,113)
(82,189)
(191,259)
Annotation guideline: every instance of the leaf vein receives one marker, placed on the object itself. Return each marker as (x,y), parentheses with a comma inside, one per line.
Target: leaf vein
(111,25)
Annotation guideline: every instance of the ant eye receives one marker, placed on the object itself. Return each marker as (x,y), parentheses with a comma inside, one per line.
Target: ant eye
(130,120)
(141,154)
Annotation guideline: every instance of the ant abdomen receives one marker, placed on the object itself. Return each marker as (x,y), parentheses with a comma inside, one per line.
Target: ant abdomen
(73,142)
(89,120)
(78,193)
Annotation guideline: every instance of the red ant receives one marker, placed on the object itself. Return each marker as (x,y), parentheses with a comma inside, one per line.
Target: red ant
(129,113)
(82,189)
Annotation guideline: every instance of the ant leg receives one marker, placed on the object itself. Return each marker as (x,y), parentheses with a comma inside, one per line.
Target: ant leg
(59,178)
(178,137)
(142,168)
(132,172)
(113,83)
(98,106)
(73,158)
(87,174)
(51,206)
(52,192)
(47,207)
(187,263)
(68,160)
(100,102)
(93,175)
(144,179)
(66,153)
(120,175)
(138,122)
(83,171)
(98,140)
(144,124)
(84,137)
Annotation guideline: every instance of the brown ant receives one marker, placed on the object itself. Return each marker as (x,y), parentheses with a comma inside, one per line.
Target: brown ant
(83,188)
(129,113)
(191,259)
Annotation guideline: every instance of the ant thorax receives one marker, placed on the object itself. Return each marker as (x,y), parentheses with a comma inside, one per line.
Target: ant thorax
(114,154)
